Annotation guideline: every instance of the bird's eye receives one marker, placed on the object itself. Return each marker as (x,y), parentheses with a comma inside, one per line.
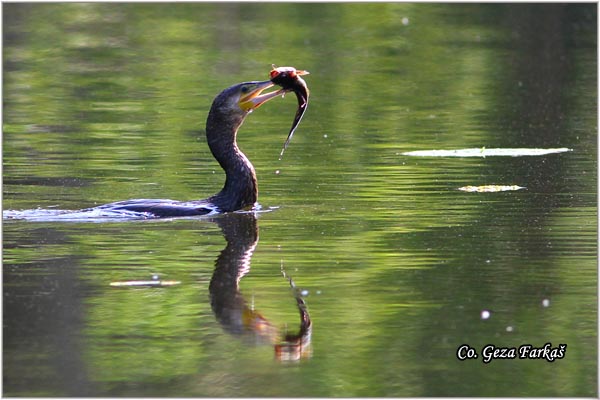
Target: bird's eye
(245,89)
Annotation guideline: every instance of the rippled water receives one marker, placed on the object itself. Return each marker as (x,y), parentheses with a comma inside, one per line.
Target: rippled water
(368,268)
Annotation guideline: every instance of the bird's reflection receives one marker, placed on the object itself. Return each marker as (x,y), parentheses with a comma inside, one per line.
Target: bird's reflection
(228,303)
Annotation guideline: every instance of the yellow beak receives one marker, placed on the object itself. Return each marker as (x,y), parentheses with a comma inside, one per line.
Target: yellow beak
(253,98)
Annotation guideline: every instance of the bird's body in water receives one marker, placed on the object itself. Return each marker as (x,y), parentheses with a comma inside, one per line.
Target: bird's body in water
(227,113)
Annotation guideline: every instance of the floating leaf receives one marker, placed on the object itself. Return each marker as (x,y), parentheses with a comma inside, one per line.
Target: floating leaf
(483,152)
(153,283)
(490,188)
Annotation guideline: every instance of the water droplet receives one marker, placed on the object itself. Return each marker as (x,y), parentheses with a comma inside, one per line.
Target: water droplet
(277,172)
(509,328)
(485,314)
(546,303)
(405,21)
(304,292)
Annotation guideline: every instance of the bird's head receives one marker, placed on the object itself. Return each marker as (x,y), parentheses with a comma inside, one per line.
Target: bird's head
(244,97)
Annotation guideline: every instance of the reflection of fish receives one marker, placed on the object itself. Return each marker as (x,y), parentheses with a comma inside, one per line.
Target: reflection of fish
(289,79)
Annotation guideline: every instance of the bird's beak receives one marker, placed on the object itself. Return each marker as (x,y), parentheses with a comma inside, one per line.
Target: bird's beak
(254,98)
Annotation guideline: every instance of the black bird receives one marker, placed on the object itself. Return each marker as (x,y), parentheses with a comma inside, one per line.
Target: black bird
(227,113)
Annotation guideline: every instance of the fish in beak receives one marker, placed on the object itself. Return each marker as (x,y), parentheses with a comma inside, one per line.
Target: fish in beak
(289,79)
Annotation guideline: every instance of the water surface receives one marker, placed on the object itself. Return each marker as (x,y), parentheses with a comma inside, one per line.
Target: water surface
(396,266)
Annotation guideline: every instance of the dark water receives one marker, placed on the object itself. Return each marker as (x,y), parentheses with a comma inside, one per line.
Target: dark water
(394,267)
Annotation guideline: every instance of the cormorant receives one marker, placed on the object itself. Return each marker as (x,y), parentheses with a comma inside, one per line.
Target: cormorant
(227,113)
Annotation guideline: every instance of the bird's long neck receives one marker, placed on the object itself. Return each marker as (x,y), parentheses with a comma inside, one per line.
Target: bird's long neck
(240,190)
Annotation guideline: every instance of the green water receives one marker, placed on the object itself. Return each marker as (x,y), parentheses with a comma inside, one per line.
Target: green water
(397,267)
